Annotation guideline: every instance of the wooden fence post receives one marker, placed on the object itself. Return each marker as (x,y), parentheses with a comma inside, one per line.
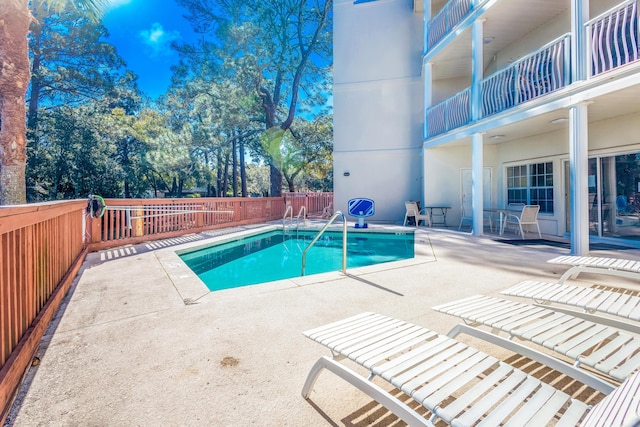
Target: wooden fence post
(137,223)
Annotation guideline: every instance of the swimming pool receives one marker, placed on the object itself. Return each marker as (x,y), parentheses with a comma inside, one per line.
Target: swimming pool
(276,255)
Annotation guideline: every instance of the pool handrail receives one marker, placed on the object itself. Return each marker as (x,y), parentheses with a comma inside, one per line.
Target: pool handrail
(289,211)
(303,212)
(344,241)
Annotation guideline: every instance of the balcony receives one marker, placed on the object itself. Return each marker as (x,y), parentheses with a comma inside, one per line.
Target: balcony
(539,73)
(613,38)
(613,41)
(446,19)
(449,114)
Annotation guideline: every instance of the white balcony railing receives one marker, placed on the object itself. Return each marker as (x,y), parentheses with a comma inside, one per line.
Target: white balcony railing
(537,74)
(446,19)
(613,38)
(449,114)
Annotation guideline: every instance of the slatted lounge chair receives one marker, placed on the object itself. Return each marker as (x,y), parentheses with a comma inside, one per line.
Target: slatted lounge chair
(453,381)
(606,349)
(598,265)
(618,303)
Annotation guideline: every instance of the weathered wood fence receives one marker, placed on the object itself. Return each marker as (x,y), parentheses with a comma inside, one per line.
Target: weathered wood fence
(42,247)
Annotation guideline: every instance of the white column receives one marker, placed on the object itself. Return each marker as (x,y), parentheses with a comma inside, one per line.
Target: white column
(579,54)
(427,19)
(477,184)
(428,95)
(578,178)
(477,165)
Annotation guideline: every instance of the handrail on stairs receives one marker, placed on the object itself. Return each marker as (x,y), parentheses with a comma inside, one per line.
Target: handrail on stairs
(303,212)
(289,211)
(344,241)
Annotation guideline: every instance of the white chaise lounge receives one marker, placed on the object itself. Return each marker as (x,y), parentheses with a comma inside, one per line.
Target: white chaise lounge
(599,343)
(621,303)
(597,265)
(457,383)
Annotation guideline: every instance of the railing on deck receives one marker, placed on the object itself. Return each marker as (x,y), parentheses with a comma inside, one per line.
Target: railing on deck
(537,74)
(614,38)
(313,202)
(446,19)
(134,220)
(449,114)
(40,246)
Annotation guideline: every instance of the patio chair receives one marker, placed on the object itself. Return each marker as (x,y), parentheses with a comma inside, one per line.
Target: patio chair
(327,211)
(601,344)
(528,216)
(457,383)
(412,210)
(465,215)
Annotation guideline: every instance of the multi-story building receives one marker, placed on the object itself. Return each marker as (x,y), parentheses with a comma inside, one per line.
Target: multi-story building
(534,102)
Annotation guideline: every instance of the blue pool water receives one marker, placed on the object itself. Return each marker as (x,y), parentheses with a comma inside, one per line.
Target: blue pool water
(275,256)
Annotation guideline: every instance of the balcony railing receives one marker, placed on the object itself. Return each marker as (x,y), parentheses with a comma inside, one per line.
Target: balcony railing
(446,19)
(449,114)
(542,72)
(614,38)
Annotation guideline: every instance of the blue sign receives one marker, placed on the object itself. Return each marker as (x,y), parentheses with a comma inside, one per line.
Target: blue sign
(361,207)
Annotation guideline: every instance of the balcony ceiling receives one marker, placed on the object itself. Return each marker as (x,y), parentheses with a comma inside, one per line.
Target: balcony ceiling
(507,22)
(605,107)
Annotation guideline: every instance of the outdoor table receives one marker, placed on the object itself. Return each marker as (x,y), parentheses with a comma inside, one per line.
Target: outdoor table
(503,215)
(441,212)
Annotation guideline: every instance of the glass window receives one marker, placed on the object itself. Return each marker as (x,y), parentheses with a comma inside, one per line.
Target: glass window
(532,185)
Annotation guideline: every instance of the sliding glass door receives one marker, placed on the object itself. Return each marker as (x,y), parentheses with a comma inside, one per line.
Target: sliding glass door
(614,196)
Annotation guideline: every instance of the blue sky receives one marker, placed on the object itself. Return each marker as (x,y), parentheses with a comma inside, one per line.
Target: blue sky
(142,31)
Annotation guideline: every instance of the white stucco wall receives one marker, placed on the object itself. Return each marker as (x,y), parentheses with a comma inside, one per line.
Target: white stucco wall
(378,101)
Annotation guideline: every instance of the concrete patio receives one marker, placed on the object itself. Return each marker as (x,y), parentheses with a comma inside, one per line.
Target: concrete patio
(139,341)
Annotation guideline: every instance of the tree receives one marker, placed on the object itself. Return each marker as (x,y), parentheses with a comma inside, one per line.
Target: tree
(15,18)
(70,65)
(282,44)
(309,150)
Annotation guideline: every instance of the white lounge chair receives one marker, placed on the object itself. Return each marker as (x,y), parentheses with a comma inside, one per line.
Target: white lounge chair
(455,382)
(619,303)
(412,210)
(601,344)
(528,216)
(597,265)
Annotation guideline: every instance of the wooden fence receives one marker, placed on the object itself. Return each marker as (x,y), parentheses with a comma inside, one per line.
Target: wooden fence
(41,250)
(313,202)
(42,247)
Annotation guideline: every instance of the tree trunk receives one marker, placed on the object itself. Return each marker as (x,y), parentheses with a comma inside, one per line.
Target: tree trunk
(243,170)
(174,187)
(234,171)
(219,174)
(276,181)
(225,176)
(14,79)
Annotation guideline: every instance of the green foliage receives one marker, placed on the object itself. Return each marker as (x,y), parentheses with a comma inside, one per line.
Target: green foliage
(229,114)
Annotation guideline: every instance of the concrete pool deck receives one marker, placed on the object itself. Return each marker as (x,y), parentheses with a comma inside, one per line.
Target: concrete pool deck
(139,341)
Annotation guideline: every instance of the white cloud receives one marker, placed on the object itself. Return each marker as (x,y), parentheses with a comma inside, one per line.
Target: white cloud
(158,39)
